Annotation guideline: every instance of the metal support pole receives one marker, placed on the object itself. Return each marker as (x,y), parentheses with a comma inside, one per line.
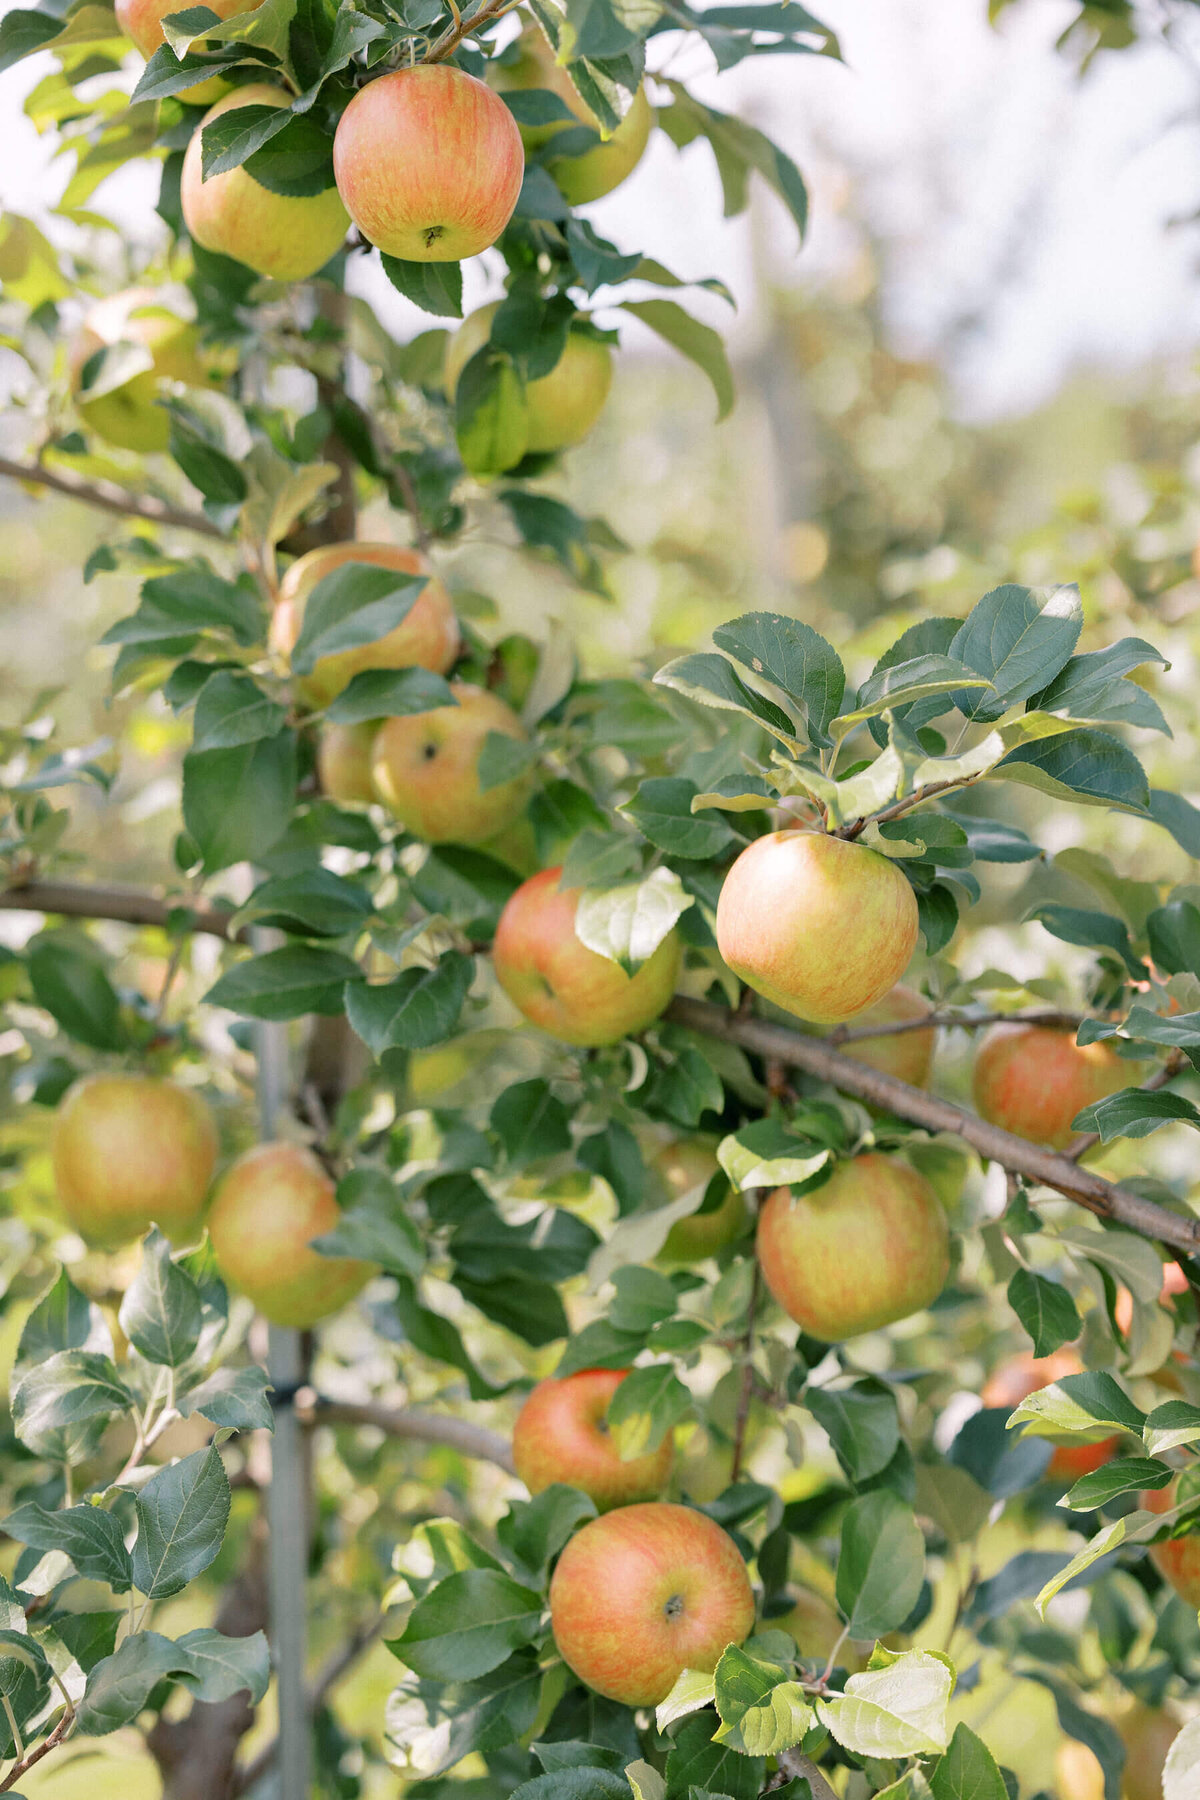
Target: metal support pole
(287,1552)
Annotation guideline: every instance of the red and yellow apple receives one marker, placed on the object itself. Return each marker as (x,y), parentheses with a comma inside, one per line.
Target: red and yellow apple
(598,170)
(344,762)
(908,1055)
(682,1167)
(429,163)
(141,21)
(869,1247)
(563,987)
(130,1151)
(1176,1559)
(1032,1080)
(285,236)
(560,1435)
(425,767)
(1026,1374)
(818,926)
(1147,1734)
(562,406)
(127,415)
(427,637)
(642,1593)
(269,1206)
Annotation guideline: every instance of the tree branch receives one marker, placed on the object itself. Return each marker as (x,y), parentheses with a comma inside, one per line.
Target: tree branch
(1047,1016)
(410,1422)
(794,1763)
(31,1757)
(129,906)
(107,497)
(1047,1167)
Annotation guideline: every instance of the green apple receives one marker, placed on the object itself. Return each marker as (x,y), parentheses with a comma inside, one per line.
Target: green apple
(126,414)
(130,1151)
(599,170)
(682,1167)
(344,762)
(560,1435)
(562,406)
(426,769)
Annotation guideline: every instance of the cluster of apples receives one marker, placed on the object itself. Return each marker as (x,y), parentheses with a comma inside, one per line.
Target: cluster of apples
(131,1151)
(428,161)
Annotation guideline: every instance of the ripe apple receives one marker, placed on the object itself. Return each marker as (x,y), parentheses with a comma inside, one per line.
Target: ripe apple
(562,406)
(429,163)
(426,638)
(426,769)
(127,415)
(681,1167)
(599,170)
(908,1055)
(344,763)
(141,21)
(563,987)
(1077,1773)
(131,1151)
(560,1435)
(1176,1559)
(269,1206)
(645,1592)
(288,237)
(1025,1374)
(1032,1080)
(868,1248)
(818,926)
(1147,1734)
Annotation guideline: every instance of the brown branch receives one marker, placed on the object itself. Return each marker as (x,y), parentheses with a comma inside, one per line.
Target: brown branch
(795,1764)
(453,35)
(410,1422)
(899,808)
(1047,1016)
(32,1757)
(1046,1167)
(129,906)
(107,497)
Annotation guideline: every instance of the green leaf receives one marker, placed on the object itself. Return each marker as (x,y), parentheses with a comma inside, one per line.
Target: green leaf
(434,287)
(895,1711)
(1076,925)
(1128,1475)
(234,1399)
(415,1011)
(70,983)
(313,903)
(63,1319)
(218,1667)
(766,1154)
(861,1423)
(182,1513)
(287,983)
(900,684)
(1046,1310)
(881,1564)
(1079,1403)
(237,134)
(503,758)
(120,1685)
(466,887)
(237,804)
(233,710)
(24,32)
(356,604)
(574,1784)
(738,148)
(793,657)
(177,609)
(1092,687)
(699,343)
(373,1225)
(968,1771)
(491,415)
(62,1396)
(530,1122)
(1088,767)
(762,1711)
(91,1537)
(297,161)
(1171,1425)
(433,1726)
(161,1312)
(1179,817)
(1135,1113)
(662,811)
(695,1761)
(1017,637)
(1174,934)
(693,1690)
(646,1408)
(711,680)
(389,693)
(534,1531)
(627,924)
(467,1625)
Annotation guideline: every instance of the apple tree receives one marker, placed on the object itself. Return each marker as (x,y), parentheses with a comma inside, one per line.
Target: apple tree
(482,1185)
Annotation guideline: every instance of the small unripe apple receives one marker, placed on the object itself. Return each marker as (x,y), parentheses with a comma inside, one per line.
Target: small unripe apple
(285,236)
(344,762)
(908,1055)
(599,170)
(642,1593)
(1032,1080)
(429,163)
(130,1151)
(869,1247)
(141,21)
(269,1206)
(426,769)
(560,1435)
(427,637)
(681,1167)
(563,987)
(128,415)
(562,406)
(1026,1374)
(819,926)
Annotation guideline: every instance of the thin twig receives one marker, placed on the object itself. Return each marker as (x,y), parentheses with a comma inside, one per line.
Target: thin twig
(107,497)
(1049,1017)
(20,1769)
(899,808)
(796,1764)
(410,1422)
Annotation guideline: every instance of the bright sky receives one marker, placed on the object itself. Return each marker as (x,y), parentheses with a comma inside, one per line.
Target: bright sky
(1023,213)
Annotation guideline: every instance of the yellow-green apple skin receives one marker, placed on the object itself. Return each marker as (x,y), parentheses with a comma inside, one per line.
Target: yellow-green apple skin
(598,171)
(869,1247)
(515,846)
(130,1151)
(269,1206)
(429,162)
(563,987)
(644,1592)
(908,1055)
(427,637)
(1032,1080)
(560,1435)
(562,406)
(141,21)
(284,236)
(426,769)
(818,926)
(344,763)
(1147,1734)
(128,415)
(681,1167)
